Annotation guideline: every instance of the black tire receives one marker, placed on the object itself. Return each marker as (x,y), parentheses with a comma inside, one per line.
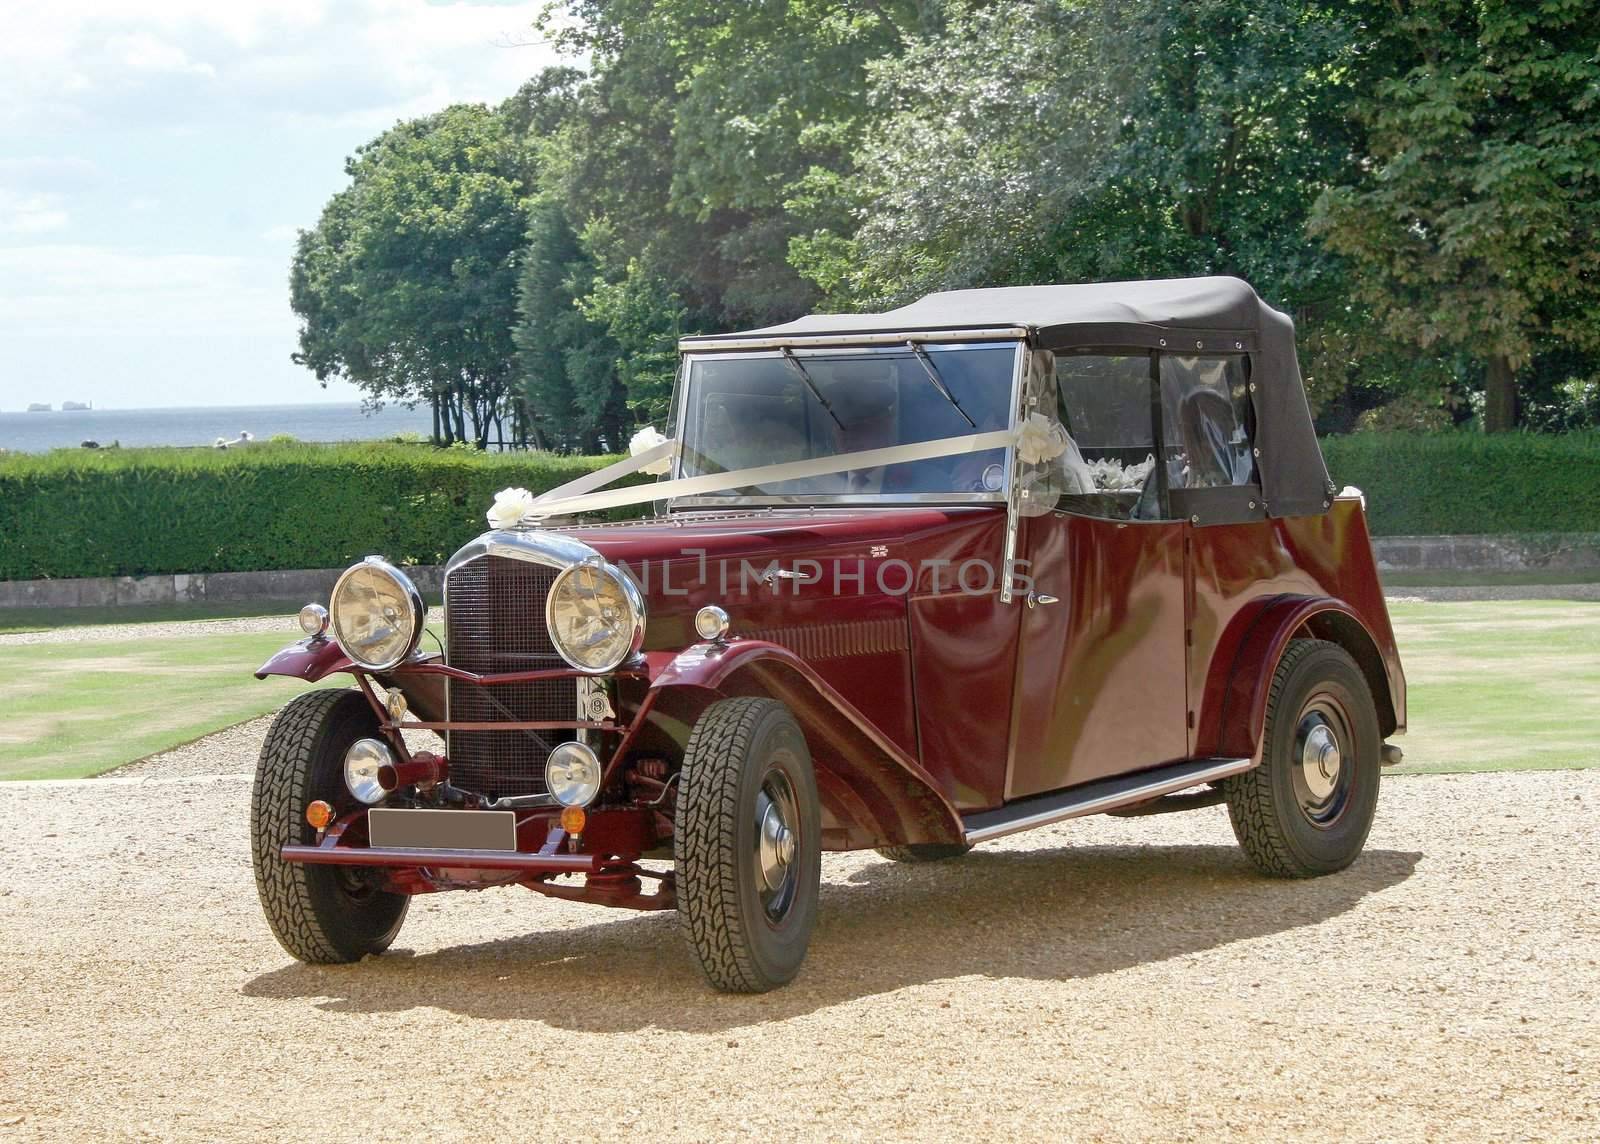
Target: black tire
(925,851)
(1293,817)
(744,758)
(323,915)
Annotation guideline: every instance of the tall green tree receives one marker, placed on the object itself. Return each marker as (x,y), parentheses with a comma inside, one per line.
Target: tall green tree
(1474,213)
(569,364)
(688,163)
(407,285)
(1043,140)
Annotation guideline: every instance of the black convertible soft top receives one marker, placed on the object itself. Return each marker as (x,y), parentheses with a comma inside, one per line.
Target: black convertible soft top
(1175,315)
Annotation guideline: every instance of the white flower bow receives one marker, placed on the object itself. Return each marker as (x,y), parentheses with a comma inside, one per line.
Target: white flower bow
(510,506)
(643,441)
(1040,439)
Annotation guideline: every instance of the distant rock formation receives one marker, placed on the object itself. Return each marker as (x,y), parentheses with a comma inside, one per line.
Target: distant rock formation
(76,406)
(38,407)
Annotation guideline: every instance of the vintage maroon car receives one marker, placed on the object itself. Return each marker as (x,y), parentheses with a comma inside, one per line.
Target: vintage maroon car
(914,581)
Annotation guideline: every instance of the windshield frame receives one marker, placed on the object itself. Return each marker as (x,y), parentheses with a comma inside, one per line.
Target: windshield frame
(803,348)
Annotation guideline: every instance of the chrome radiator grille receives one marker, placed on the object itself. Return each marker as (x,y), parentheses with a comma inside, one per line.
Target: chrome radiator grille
(494,623)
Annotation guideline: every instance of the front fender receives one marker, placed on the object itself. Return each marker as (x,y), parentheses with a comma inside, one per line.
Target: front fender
(873,793)
(1235,711)
(310,660)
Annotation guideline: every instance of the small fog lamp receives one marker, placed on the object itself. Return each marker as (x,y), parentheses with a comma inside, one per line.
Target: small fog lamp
(362,762)
(572,774)
(319,814)
(313,620)
(711,622)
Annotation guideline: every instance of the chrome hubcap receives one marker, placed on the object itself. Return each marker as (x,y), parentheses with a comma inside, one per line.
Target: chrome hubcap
(777,848)
(1319,761)
(776,820)
(1321,777)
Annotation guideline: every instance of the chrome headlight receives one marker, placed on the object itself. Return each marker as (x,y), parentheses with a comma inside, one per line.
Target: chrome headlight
(361,765)
(596,616)
(572,774)
(377,614)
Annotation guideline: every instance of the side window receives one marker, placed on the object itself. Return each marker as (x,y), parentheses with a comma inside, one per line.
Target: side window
(1208,421)
(1104,403)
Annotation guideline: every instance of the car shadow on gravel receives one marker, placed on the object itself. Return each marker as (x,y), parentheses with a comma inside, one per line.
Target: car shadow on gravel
(1054,914)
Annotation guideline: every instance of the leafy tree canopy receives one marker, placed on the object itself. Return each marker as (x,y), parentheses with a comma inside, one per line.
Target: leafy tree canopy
(406,284)
(1474,215)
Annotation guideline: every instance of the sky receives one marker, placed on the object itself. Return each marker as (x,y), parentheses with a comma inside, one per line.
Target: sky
(157,158)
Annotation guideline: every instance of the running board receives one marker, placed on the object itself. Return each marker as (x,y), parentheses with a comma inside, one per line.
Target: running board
(1097,797)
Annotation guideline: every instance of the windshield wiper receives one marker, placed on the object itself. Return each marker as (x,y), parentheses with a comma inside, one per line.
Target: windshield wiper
(938,382)
(794,362)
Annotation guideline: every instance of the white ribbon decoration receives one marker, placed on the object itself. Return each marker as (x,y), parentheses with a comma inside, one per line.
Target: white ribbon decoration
(1040,439)
(510,506)
(575,496)
(645,440)
(1046,441)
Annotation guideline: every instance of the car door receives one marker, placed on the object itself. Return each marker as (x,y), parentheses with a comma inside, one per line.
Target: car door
(1102,666)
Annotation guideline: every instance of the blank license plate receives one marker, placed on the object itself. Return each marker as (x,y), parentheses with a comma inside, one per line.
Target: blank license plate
(442,829)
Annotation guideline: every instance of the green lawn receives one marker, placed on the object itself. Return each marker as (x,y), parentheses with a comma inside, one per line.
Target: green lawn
(1500,685)
(1493,686)
(76,709)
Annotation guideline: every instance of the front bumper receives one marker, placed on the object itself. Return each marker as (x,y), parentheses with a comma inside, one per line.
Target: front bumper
(515,860)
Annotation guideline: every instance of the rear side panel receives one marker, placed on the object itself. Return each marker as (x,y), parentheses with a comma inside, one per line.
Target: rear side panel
(1247,578)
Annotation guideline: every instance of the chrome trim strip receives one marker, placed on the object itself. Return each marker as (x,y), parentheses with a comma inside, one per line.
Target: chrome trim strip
(796,500)
(1013,474)
(984,334)
(534,546)
(1158,786)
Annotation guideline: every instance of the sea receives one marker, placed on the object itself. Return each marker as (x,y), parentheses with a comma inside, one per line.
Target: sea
(40,432)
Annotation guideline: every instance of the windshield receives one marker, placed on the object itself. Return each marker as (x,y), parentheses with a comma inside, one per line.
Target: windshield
(744,410)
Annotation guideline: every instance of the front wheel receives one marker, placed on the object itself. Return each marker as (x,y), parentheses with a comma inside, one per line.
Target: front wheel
(320,914)
(1307,809)
(748,845)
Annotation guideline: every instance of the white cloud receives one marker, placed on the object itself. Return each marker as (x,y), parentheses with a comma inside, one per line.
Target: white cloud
(182,62)
(50,173)
(73,289)
(146,53)
(29,212)
(215,128)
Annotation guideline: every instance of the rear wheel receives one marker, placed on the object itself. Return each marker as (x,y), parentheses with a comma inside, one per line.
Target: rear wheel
(748,845)
(1307,809)
(320,914)
(925,851)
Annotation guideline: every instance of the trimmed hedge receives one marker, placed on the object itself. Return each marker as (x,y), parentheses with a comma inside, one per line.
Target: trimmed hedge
(133,512)
(1422,484)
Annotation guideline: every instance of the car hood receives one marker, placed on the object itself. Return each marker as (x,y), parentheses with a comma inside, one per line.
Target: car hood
(717,535)
(857,562)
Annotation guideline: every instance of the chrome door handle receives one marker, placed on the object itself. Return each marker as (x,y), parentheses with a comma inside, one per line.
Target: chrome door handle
(1037,598)
(773,575)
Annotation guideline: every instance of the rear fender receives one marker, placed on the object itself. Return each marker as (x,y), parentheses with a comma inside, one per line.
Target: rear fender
(1235,720)
(872,792)
(310,660)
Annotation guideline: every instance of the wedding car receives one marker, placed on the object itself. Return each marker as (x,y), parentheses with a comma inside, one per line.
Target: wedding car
(906,582)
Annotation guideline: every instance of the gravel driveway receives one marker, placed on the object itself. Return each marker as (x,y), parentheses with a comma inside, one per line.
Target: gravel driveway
(1113,979)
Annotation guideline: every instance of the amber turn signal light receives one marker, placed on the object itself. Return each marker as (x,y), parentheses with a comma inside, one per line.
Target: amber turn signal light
(573,819)
(319,814)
